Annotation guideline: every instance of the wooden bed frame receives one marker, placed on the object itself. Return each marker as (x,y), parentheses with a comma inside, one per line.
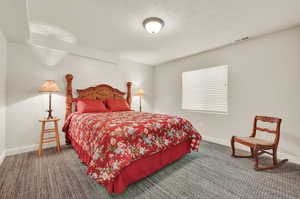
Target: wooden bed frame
(99,92)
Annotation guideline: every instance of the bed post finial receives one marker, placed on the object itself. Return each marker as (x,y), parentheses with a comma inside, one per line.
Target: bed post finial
(69,95)
(129,84)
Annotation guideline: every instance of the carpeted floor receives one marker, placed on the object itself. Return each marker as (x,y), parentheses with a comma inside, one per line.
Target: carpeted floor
(211,173)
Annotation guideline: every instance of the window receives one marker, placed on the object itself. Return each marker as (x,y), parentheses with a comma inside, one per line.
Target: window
(205,89)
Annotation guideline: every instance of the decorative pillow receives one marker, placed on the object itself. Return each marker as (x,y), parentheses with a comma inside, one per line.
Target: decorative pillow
(90,106)
(117,105)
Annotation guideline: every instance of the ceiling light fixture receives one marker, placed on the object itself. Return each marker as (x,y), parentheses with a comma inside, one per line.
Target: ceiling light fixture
(153,24)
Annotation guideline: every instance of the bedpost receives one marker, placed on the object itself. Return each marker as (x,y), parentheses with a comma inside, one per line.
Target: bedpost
(69,100)
(129,84)
(69,95)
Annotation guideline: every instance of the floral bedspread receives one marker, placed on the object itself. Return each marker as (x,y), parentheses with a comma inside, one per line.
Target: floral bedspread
(115,139)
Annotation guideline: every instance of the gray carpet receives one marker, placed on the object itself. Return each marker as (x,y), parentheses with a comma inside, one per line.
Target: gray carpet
(211,173)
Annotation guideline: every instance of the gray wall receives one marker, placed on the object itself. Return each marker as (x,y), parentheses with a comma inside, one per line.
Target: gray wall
(264,79)
(2,92)
(26,73)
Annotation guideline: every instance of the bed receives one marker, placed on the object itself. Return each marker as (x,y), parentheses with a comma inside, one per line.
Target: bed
(122,147)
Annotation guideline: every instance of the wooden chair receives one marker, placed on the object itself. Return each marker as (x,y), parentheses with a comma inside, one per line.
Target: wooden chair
(259,146)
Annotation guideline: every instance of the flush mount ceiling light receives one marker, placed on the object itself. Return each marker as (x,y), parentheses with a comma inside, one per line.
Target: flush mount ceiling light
(153,24)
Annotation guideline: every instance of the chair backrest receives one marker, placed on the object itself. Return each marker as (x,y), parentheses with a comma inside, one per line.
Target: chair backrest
(267,119)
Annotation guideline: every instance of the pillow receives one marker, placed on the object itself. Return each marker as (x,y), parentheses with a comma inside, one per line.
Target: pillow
(117,105)
(90,106)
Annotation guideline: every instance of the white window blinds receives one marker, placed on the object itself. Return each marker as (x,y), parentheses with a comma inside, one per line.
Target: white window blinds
(205,89)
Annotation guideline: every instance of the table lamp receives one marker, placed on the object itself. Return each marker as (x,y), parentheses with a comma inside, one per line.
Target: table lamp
(140,92)
(50,87)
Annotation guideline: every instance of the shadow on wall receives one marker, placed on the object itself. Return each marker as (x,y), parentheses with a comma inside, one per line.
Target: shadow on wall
(46,39)
(42,68)
(27,86)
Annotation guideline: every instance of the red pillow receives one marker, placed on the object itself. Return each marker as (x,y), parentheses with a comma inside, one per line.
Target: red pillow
(117,105)
(90,106)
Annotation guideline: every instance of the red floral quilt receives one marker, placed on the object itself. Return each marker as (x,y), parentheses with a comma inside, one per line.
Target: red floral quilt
(115,139)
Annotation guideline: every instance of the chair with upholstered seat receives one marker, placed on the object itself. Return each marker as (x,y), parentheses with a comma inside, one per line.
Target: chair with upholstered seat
(259,146)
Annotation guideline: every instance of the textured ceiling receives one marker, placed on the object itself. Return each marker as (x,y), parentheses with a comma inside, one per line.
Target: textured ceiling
(191,26)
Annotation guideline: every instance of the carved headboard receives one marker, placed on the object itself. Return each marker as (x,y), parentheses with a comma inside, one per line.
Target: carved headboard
(100,92)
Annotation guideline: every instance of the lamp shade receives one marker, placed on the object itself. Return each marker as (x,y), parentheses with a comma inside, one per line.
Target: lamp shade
(49,86)
(140,92)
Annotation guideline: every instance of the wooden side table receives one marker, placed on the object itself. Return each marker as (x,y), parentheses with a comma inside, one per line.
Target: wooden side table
(44,131)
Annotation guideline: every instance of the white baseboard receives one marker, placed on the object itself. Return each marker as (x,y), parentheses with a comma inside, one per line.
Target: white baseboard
(29,148)
(2,156)
(216,140)
(34,147)
(281,155)
(21,149)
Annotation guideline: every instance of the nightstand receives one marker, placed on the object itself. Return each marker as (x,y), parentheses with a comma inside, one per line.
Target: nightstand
(44,130)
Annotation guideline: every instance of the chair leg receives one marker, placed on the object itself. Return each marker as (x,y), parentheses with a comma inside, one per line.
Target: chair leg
(233,150)
(252,152)
(41,138)
(255,156)
(276,164)
(57,136)
(232,146)
(275,161)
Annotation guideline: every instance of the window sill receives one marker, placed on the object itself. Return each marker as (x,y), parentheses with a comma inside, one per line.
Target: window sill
(205,112)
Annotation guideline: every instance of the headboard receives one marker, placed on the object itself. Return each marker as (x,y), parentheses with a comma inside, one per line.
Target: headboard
(100,92)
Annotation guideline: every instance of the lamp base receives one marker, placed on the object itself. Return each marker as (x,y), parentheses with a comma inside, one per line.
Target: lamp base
(140,103)
(50,108)
(50,114)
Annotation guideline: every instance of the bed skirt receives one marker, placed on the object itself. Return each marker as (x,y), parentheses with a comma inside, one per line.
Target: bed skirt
(139,168)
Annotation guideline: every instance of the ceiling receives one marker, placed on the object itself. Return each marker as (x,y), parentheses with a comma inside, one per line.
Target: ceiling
(191,26)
